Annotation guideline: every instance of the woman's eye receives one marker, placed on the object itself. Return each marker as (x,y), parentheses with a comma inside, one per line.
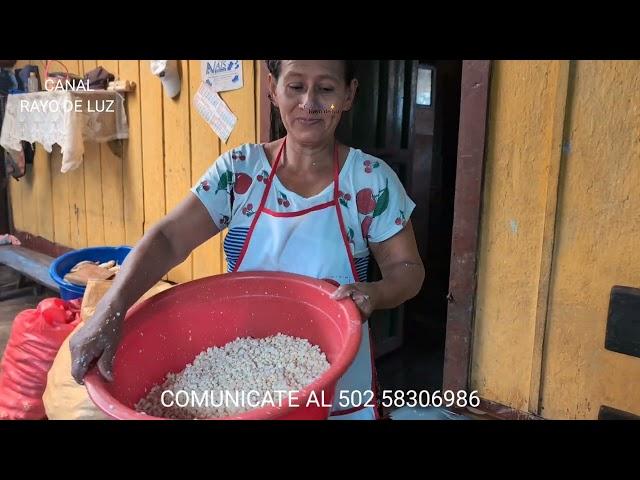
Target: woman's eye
(295,87)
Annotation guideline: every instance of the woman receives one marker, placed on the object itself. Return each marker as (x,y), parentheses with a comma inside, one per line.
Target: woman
(303,204)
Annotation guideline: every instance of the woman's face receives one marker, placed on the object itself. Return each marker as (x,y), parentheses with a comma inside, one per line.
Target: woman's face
(311,96)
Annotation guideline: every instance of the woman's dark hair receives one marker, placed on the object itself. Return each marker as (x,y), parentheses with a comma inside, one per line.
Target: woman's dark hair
(349,69)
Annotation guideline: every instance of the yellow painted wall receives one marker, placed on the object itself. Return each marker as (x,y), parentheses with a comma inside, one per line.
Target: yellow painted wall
(560,220)
(111,200)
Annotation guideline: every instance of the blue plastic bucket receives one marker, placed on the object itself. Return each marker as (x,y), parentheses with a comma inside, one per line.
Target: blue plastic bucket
(63,264)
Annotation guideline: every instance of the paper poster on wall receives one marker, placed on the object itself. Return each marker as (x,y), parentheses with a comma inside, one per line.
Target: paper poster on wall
(222,75)
(213,109)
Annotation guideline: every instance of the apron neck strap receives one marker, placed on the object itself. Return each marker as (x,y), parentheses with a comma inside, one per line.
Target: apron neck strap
(336,172)
(277,161)
(336,167)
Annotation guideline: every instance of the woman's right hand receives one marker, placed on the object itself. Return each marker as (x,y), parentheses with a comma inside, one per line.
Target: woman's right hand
(96,340)
(161,248)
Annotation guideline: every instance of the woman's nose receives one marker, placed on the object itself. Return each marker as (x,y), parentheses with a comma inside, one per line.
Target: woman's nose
(310,100)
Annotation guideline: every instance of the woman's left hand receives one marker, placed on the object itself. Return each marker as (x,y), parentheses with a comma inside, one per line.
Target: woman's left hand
(362,293)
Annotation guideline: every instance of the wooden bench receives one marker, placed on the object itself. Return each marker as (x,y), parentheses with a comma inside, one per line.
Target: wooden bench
(33,265)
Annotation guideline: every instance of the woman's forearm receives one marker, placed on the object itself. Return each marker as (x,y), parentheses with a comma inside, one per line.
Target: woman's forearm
(400,282)
(147,263)
(167,244)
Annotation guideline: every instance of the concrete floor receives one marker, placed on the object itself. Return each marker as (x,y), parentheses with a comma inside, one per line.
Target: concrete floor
(417,365)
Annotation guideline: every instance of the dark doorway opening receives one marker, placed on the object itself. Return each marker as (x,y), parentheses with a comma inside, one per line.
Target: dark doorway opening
(407,113)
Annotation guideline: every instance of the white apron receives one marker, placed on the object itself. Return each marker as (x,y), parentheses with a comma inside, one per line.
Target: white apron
(314,242)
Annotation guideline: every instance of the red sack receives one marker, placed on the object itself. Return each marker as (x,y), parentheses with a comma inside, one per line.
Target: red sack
(35,339)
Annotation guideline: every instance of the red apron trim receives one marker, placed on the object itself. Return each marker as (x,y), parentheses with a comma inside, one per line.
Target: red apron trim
(345,240)
(298,213)
(343,231)
(374,388)
(263,200)
(374,375)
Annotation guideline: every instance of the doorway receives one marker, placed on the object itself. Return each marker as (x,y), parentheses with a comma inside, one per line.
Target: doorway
(409,113)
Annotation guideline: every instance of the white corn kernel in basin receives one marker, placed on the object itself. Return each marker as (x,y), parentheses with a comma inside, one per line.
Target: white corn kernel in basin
(276,363)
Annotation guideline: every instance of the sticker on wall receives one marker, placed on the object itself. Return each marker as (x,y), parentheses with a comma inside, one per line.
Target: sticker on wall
(222,75)
(216,113)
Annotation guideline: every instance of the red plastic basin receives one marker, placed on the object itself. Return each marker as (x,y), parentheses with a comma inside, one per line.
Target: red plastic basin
(166,332)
